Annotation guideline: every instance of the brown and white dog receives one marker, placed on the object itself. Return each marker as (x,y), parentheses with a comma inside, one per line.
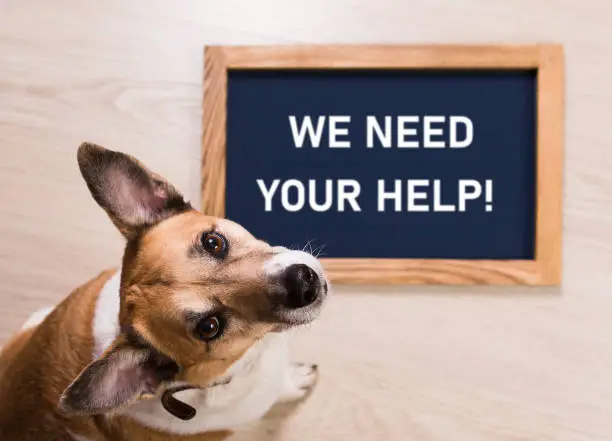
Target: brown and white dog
(186,339)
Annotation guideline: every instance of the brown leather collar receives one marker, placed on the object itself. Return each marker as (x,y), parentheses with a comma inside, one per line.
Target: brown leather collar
(176,407)
(170,403)
(179,408)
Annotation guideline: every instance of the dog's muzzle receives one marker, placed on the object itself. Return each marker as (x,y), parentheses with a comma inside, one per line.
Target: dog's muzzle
(303,286)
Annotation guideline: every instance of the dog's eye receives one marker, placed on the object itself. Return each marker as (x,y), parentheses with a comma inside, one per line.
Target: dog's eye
(209,327)
(214,244)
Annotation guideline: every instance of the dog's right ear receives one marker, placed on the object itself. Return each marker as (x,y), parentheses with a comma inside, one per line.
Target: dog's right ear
(133,196)
(124,374)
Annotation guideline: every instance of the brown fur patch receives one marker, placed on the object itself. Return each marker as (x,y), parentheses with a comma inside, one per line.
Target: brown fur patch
(41,363)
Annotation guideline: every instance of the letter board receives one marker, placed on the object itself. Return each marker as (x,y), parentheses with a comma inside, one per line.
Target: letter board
(397,164)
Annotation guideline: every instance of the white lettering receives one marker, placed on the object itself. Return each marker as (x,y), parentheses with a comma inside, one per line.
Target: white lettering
(350,195)
(414,195)
(438,206)
(372,127)
(429,131)
(268,193)
(312,195)
(403,131)
(469,189)
(307,126)
(395,195)
(469,132)
(335,131)
(299,203)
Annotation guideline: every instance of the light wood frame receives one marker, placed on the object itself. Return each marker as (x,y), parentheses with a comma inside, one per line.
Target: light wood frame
(547,59)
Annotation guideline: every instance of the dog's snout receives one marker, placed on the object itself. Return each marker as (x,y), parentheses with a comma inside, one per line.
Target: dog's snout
(302,284)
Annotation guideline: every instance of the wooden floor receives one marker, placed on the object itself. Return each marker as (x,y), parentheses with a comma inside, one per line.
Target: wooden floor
(437,364)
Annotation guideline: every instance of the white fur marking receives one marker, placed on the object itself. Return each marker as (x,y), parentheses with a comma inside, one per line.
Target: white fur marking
(106,316)
(258,381)
(300,378)
(36,318)
(188,302)
(284,258)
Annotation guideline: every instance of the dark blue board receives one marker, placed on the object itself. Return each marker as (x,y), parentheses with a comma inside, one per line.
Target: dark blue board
(500,104)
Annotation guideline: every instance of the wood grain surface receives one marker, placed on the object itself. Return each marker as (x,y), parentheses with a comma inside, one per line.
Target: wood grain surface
(213,132)
(547,59)
(549,174)
(397,363)
(382,56)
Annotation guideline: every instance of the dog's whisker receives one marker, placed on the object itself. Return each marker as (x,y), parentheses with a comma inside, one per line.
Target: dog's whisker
(308,247)
(318,252)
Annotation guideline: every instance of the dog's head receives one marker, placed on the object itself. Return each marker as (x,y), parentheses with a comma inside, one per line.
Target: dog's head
(196,291)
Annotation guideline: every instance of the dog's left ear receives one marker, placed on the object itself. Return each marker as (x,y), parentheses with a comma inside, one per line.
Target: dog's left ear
(133,196)
(119,377)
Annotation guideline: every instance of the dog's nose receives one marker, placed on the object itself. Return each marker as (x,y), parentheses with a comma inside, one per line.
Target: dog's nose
(302,284)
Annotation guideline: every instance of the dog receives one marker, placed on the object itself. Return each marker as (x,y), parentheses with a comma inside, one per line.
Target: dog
(187,339)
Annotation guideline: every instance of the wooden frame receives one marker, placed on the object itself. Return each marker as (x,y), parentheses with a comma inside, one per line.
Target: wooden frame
(547,59)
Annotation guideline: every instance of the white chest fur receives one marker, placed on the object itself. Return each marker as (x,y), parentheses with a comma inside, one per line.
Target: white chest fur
(253,389)
(261,378)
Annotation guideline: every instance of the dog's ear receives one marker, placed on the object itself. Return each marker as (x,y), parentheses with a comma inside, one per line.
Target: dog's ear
(122,375)
(133,196)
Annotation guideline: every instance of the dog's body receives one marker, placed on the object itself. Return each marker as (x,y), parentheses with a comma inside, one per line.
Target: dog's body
(97,366)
